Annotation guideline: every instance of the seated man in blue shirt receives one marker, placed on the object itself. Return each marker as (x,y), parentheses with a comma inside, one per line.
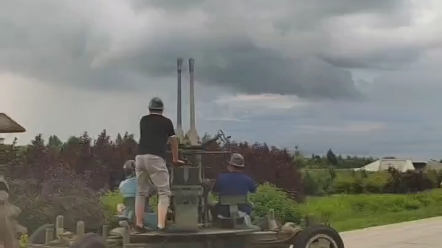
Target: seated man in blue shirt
(233,183)
(128,187)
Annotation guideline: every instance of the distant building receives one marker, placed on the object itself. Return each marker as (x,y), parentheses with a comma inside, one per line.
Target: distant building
(402,165)
(430,165)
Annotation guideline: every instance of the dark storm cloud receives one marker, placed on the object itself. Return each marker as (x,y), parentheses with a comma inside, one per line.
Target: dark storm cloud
(388,59)
(241,65)
(63,47)
(318,8)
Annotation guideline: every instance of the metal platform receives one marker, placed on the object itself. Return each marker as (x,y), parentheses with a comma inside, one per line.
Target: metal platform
(203,232)
(211,231)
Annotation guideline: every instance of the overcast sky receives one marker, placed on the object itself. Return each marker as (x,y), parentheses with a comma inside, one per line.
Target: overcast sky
(360,77)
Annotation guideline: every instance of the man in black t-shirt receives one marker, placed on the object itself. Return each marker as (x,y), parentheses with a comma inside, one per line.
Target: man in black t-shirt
(156,131)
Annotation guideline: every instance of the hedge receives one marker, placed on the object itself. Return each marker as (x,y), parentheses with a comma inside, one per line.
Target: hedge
(323,182)
(53,178)
(40,204)
(103,158)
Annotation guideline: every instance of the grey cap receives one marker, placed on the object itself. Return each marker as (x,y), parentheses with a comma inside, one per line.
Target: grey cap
(156,104)
(237,160)
(129,168)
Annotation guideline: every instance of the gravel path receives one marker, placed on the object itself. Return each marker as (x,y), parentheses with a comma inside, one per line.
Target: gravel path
(425,233)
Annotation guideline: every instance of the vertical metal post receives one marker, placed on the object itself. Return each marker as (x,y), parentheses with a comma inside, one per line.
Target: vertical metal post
(179,100)
(49,235)
(80,228)
(59,226)
(193,135)
(105,233)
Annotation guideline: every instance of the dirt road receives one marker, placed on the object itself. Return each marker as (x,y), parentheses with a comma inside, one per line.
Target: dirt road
(415,234)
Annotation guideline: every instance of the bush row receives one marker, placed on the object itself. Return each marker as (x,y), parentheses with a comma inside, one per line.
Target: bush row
(325,182)
(61,193)
(103,159)
(42,202)
(52,178)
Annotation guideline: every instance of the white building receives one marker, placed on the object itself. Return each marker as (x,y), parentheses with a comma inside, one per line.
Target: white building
(401,165)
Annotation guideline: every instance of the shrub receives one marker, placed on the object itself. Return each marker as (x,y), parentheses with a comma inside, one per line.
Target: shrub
(317,183)
(103,158)
(61,193)
(392,181)
(110,200)
(270,197)
(346,207)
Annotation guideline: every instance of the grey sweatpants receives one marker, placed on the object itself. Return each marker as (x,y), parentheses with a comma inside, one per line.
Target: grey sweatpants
(152,173)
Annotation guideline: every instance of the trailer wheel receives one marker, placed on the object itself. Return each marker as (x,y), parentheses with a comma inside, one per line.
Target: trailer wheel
(319,236)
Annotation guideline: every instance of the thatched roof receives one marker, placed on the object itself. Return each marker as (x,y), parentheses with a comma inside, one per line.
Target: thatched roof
(8,125)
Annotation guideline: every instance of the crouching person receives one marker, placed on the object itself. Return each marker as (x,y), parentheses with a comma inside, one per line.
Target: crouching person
(233,183)
(129,188)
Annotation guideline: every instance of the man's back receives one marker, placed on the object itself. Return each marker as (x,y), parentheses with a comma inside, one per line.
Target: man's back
(155,130)
(234,183)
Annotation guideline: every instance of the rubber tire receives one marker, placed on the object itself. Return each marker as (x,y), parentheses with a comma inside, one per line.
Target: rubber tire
(38,236)
(301,239)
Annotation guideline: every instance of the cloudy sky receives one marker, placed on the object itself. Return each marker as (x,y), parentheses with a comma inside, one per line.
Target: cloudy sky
(360,77)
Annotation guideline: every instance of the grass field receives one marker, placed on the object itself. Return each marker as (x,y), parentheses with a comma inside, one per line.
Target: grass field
(350,212)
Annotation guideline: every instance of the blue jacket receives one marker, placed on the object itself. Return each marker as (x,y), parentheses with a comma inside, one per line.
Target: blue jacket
(129,187)
(234,183)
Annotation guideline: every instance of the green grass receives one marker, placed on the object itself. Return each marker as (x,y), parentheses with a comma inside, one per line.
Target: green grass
(388,218)
(350,212)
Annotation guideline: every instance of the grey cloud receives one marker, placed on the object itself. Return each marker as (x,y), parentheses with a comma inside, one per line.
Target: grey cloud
(62,48)
(382,60)
(241,65)
(387,59)
(405,102)
(302,14)
(316,8)
(178,5)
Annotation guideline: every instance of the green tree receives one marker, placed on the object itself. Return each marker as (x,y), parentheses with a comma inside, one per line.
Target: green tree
(55,142)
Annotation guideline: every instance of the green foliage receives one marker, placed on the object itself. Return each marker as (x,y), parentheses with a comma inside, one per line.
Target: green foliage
(110,200)
(23,241)
(270,197)
(320,162)
(338,209)
(317,183)
(322,182)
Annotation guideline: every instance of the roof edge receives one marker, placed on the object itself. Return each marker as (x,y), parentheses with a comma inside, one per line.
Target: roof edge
(14,126)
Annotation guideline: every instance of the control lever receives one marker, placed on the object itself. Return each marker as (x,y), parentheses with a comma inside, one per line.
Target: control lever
(186,167)
(186,163)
